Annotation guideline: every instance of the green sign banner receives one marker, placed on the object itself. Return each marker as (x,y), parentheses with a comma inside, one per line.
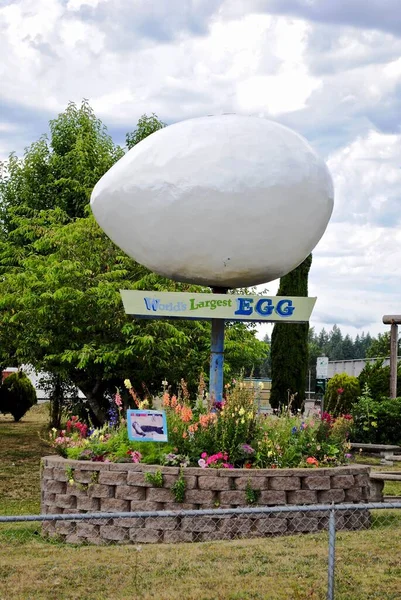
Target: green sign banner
(184,305)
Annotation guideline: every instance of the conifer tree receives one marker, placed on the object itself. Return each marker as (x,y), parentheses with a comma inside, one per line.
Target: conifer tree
(289,345)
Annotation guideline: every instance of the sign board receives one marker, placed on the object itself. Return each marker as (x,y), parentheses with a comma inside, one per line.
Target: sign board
(147,425)
(230,307)
(322,367)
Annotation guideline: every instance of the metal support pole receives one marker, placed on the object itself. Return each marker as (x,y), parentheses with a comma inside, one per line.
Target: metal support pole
(217,361)
(393,359)
(332,555)
(216,377)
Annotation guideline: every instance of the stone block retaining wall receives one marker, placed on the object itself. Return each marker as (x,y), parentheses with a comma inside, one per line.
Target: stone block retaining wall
(122,487)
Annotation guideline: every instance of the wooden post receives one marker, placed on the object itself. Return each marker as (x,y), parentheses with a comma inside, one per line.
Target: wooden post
(393,360)
(393,320)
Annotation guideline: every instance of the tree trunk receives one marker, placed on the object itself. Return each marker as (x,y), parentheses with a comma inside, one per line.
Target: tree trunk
(56,402)
(94,395)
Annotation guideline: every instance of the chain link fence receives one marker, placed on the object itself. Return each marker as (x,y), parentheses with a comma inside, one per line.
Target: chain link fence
(344,551)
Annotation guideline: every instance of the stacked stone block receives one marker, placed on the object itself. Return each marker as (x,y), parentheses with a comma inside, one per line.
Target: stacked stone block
(122,487)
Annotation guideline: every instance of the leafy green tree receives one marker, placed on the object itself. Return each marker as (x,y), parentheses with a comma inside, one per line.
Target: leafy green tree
(289,346)
(60,306)
(146,125)
(243,352)
(380,347)
(60,171)
(377,378)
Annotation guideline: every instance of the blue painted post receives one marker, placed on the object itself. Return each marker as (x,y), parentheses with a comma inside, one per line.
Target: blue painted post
(217,361)
(217,355)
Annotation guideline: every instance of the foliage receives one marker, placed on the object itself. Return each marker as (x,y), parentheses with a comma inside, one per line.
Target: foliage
(194,432)
(293,442)
(289,347)
(251,495)
(59,172)
(337,346)
(109,443)
(175,460)
(17,395)
(73,274)
(210,437)
(156,479)
(380,346)
(364,413)
(376,422)
(342,392)
(377,378)
(179,487)
(146,126)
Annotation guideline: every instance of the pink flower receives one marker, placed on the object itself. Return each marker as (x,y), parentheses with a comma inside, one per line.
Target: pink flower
(340,391)
(117,400)
(136,456)
(202,463)
(204,455)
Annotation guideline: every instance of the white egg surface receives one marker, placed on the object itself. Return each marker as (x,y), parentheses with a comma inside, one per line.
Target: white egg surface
(226,201)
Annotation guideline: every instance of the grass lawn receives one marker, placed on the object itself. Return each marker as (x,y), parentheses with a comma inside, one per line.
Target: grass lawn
(368,565)
(21,448)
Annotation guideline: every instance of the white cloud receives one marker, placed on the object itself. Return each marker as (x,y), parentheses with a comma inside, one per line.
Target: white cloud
(367,179)
(326,69)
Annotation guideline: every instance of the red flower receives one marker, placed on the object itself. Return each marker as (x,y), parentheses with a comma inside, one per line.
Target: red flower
(340,391)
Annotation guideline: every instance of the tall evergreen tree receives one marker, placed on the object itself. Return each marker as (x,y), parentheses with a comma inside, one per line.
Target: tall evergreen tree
(335,346)
(289,345)
(348,350)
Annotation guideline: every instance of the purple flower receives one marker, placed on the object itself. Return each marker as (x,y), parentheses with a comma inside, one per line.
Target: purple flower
(247,449)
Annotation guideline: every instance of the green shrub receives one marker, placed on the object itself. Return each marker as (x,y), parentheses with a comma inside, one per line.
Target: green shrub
(389,421)
(364,413)
(376,422)
(377,378)
(342,392)
(17,395)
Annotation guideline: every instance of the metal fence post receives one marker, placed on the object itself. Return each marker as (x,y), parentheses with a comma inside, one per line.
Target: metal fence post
(332,555)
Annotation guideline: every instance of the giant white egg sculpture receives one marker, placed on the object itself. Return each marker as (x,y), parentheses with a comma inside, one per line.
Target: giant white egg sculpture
(225,201)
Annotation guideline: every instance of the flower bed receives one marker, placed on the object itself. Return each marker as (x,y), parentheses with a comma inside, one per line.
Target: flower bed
(218,456)
(224,435)
(73,487)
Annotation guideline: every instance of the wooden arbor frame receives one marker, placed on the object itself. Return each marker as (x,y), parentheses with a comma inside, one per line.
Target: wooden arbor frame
(394,321)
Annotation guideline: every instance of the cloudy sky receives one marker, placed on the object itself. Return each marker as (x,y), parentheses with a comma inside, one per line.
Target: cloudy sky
(330,69)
